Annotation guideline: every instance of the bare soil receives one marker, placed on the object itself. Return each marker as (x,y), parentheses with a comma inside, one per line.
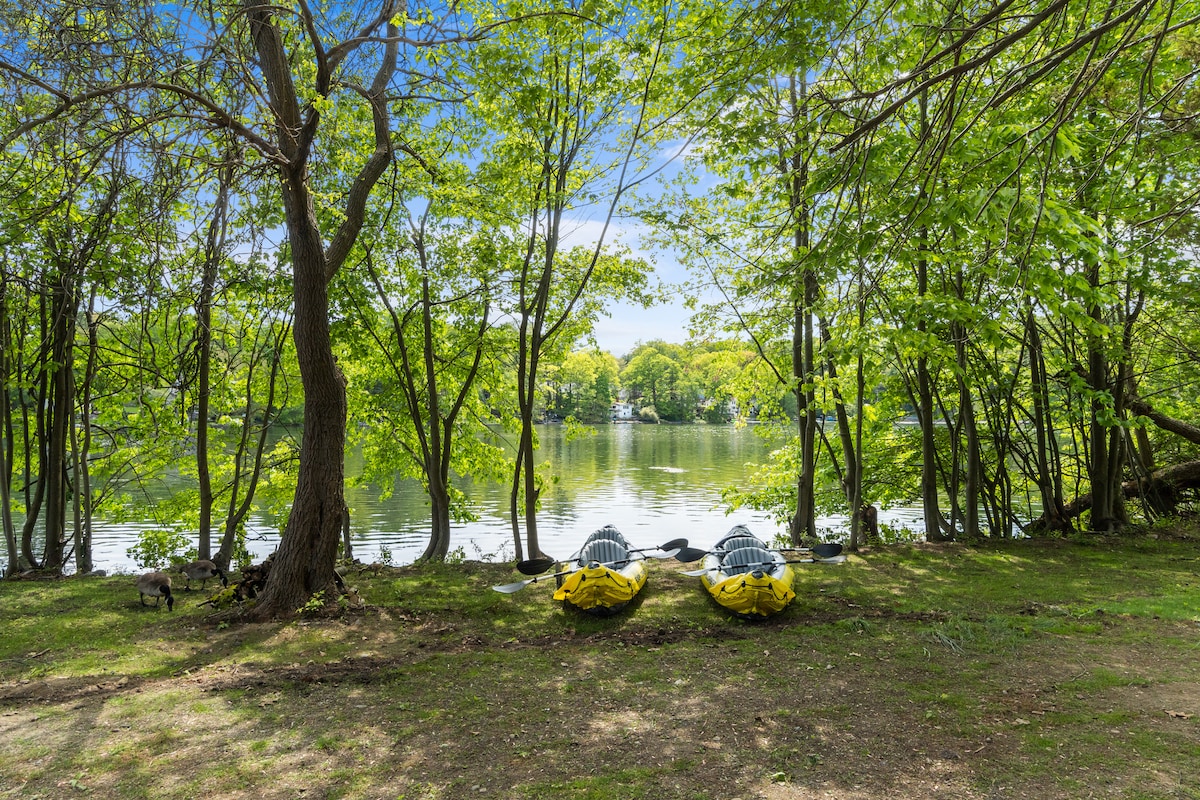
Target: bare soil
(379,703)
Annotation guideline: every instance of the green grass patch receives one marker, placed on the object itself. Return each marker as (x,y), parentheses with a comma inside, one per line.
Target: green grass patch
(1053,669)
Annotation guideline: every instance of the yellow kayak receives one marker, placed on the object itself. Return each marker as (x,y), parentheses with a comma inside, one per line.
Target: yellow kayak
(604,575)
(745,576)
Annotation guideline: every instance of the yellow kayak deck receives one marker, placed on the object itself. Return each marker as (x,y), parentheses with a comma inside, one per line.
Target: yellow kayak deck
(604,575)
(754,594)
(592,587)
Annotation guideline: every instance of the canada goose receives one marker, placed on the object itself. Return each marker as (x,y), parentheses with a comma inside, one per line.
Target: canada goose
(158,586)
(202,571)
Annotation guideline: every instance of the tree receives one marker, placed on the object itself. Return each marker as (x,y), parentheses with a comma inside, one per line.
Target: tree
(558,94)
(431,363)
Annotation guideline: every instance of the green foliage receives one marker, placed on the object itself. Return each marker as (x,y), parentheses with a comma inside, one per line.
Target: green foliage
(997,218)
(158,548)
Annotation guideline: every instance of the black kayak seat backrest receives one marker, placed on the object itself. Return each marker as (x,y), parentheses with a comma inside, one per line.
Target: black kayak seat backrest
(607,532)
(746,559)
(740,542)
(606,551)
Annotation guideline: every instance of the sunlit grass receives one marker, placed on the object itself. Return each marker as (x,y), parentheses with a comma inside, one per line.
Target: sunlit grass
(937,641)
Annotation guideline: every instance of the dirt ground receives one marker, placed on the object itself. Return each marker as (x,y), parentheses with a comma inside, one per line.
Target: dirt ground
(430,708)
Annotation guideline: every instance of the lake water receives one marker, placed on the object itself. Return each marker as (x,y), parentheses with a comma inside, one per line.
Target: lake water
(653,482)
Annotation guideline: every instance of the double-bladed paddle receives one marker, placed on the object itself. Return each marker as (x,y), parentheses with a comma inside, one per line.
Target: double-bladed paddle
(834,559)
(671,549)
(822,550)
(510,588)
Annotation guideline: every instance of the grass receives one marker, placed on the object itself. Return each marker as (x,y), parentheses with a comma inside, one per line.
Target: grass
(1045,669)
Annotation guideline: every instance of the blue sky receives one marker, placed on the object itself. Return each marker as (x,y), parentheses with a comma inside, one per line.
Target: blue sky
(629,324)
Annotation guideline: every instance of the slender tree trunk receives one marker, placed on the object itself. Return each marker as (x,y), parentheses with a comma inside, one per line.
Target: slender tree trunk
(972,466)
(1100,467)
(55,471)
(1049,479)
(6,434)
(852,472)
(794,166)
(925,403)
(214,247)
(83,446)
(436,469)
(239,504)
(34,441)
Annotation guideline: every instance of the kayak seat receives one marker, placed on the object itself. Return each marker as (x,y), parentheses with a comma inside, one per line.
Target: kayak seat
(607,532)
(606,551)
(739,542)
(736,532)
(746,559)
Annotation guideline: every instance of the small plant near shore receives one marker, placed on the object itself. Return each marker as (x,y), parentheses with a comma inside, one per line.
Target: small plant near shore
(158,548)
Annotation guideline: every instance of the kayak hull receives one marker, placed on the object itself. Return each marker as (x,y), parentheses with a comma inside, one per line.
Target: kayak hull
(753,595)
(746,577)
(603,577)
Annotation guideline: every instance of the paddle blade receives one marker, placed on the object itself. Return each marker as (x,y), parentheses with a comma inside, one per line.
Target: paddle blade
(694,573)
(687,554)
(664,554)
(826,549)
(509,588)
(535,566)
(674,544)
(838,559)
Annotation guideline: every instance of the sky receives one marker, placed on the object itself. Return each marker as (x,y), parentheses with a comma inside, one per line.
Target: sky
(629,324)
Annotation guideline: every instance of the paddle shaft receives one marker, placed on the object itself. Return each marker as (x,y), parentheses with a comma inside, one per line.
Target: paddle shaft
(821,550)
(750,567)
(535,566)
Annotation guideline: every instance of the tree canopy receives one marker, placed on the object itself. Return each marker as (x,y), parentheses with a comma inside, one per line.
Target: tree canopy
(403,220)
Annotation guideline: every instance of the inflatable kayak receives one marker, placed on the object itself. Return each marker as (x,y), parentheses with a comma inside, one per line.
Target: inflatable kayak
(603,575)
(746,576)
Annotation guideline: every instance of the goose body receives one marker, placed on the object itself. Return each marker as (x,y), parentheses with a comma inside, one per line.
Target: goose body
(158,586)
(202,571)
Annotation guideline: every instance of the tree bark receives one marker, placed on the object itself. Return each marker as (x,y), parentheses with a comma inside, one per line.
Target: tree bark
(1168,482)
(304,563)
(1170,424)
(6,439)
(794,166)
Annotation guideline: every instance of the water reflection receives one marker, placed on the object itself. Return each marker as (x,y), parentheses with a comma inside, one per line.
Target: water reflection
(653,482)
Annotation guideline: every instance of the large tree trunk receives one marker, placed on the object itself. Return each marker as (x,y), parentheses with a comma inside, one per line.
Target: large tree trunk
(305,560)
(308,549)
